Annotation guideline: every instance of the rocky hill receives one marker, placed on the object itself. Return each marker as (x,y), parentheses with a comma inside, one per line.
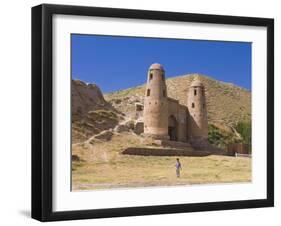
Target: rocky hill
(91,113)
(94,113)
(227,103)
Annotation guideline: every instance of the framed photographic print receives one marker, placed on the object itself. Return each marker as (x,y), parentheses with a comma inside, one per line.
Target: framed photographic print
(145,112)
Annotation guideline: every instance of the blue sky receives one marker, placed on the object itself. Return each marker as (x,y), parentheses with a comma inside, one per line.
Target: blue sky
(115,63)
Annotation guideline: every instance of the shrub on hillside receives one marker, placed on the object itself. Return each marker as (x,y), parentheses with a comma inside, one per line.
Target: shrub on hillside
(220,138)
(245,130)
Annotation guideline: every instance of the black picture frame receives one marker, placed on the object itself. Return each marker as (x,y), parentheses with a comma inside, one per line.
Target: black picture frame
(42,111)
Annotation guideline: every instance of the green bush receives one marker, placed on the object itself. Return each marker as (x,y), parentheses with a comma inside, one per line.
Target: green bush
(215,136)
(245,130)
(220,138)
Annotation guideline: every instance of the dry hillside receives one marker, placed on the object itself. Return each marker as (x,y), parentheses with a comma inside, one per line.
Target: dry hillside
(91,114)
(227,103)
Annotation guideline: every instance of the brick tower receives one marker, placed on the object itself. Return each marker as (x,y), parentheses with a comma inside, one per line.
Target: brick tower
(155,113)
(196,102)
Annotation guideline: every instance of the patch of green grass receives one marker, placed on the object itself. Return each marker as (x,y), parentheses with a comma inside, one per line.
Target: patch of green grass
(226,91)
(220,138)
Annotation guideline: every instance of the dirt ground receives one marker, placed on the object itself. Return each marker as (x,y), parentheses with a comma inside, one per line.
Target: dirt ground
(103,167)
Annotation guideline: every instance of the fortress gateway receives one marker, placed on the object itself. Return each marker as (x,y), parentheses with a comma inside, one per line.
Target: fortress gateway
(165,118)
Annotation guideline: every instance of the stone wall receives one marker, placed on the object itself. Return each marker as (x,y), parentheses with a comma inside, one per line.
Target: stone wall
(239,148)
(163,152)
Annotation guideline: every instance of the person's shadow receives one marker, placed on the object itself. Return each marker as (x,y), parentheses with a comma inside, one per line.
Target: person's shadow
(25,213)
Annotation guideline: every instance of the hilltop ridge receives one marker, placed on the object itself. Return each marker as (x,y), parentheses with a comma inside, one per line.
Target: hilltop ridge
(227,104)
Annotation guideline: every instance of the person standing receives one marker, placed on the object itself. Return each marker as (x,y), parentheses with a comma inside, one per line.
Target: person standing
(178,167)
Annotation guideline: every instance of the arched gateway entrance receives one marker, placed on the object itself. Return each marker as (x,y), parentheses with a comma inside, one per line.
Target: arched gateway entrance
(173,128)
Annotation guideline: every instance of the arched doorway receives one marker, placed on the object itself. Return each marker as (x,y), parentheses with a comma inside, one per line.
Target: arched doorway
(173,128)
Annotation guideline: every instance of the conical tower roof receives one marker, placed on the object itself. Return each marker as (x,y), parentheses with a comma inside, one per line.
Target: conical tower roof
(196,82)
(156,66)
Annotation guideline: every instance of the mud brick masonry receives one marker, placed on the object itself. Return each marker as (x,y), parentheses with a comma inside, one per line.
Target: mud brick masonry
(165,118)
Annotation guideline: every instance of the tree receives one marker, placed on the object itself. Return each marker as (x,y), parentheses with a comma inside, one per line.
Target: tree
(245,130)
(215,137)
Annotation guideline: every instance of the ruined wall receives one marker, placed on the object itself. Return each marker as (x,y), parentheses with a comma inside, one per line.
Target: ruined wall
(163,152)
